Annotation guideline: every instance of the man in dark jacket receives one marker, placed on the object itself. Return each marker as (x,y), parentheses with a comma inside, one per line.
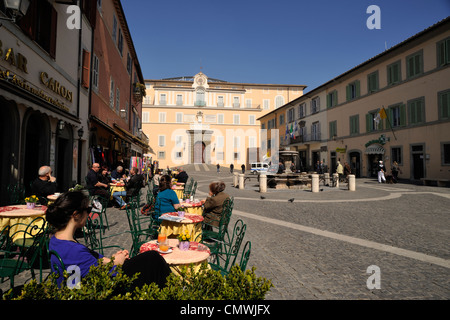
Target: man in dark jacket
(132,186)
(182,176)
(44,185)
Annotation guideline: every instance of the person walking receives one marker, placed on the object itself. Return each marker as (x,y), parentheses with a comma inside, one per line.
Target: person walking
(231,168)
(218,168)
(395,170)
(381,171)
(340,170)
(243,168)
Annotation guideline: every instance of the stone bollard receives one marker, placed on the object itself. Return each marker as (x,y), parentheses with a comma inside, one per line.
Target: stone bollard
(326,177)
(351,182)
(235,179)
(263,183)
(315,183)
(336,180)
(241,181)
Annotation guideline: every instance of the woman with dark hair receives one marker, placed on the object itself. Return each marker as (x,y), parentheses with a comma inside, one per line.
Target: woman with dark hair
(214,203)
(167,200)
(104,178)
(69,213)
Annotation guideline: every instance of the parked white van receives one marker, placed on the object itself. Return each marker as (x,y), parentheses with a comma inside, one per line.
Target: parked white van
(259,167)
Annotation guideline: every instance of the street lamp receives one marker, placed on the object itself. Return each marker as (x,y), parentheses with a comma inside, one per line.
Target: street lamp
(18,8)
(61,125)
(80,133)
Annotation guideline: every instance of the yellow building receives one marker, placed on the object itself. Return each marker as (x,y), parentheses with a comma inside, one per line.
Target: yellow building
(392,107)
(205,120)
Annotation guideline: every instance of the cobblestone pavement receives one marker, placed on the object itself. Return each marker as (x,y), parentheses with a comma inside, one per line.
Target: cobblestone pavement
(320,246)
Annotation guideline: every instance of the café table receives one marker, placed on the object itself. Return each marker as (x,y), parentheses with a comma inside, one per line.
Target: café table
(193,207)
(116,187)
(14,214)
(196,255)
(179,190)
(52,198)
(191,223)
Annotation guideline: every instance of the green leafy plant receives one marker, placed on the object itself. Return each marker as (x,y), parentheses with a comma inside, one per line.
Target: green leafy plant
(100,284)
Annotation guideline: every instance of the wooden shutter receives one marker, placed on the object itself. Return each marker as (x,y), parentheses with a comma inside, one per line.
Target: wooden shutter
(402,115)
(86,69)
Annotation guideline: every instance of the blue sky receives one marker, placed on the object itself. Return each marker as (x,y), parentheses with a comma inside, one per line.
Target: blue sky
(261,41)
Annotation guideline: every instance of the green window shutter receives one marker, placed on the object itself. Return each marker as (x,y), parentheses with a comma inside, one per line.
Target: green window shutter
(328,100)
(410,66)
(349,92)
(402,115)
(420,111)
(441,53)
(413,112)
(444,102)
(335,102)
(389,118)
(447,51)
(369,127)
(357,87)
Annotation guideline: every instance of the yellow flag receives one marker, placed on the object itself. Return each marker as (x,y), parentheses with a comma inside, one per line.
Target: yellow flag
(383,114)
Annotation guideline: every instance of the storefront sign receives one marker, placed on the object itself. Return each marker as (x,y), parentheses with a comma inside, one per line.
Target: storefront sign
(56,87)
(18,61)
(341,150)
(381,140)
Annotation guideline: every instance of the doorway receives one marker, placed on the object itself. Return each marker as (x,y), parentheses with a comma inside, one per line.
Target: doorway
(64,159)
(355,163)
(36,147)
(9,146)
(199,152)
(418,163)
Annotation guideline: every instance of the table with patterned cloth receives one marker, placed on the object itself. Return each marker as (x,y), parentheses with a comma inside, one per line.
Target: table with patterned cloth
(11,215)
(116,187)
(179,191)
(52,198)
(196,255)
(192,223)
(194,207)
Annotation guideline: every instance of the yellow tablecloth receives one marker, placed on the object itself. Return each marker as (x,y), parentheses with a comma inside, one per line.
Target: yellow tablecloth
(172,228)
(13,215)
(194,210)
(116,189)
(179,191)
(177,259)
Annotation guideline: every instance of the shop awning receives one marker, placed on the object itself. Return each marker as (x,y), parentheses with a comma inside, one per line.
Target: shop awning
(374,149)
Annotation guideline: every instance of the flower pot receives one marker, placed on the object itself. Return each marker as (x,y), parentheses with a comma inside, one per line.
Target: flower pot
(31,205)
(181,214)
(184,245)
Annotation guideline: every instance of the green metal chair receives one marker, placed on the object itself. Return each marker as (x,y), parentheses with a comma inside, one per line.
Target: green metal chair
(20,247)
(57,267)
(143,228)
(245,256)
(94,234)
(227,254)
(101,211)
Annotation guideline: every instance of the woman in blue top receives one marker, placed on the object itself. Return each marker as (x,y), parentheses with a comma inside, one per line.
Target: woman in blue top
(69,213)
(167,200)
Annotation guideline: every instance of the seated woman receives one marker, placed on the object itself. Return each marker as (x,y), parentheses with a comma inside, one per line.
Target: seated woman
(214,203)
(68,213)
(104,178)
(166,200)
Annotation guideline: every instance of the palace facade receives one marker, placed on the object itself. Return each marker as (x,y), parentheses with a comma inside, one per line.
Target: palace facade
(205,120)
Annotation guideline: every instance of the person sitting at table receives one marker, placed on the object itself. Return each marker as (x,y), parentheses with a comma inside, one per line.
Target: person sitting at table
(118,174)
(167,200)
(104,177)
(132,187)
(156,178)
(214,203)
(69,213)
(182,176)
(94,185)
(44,185)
